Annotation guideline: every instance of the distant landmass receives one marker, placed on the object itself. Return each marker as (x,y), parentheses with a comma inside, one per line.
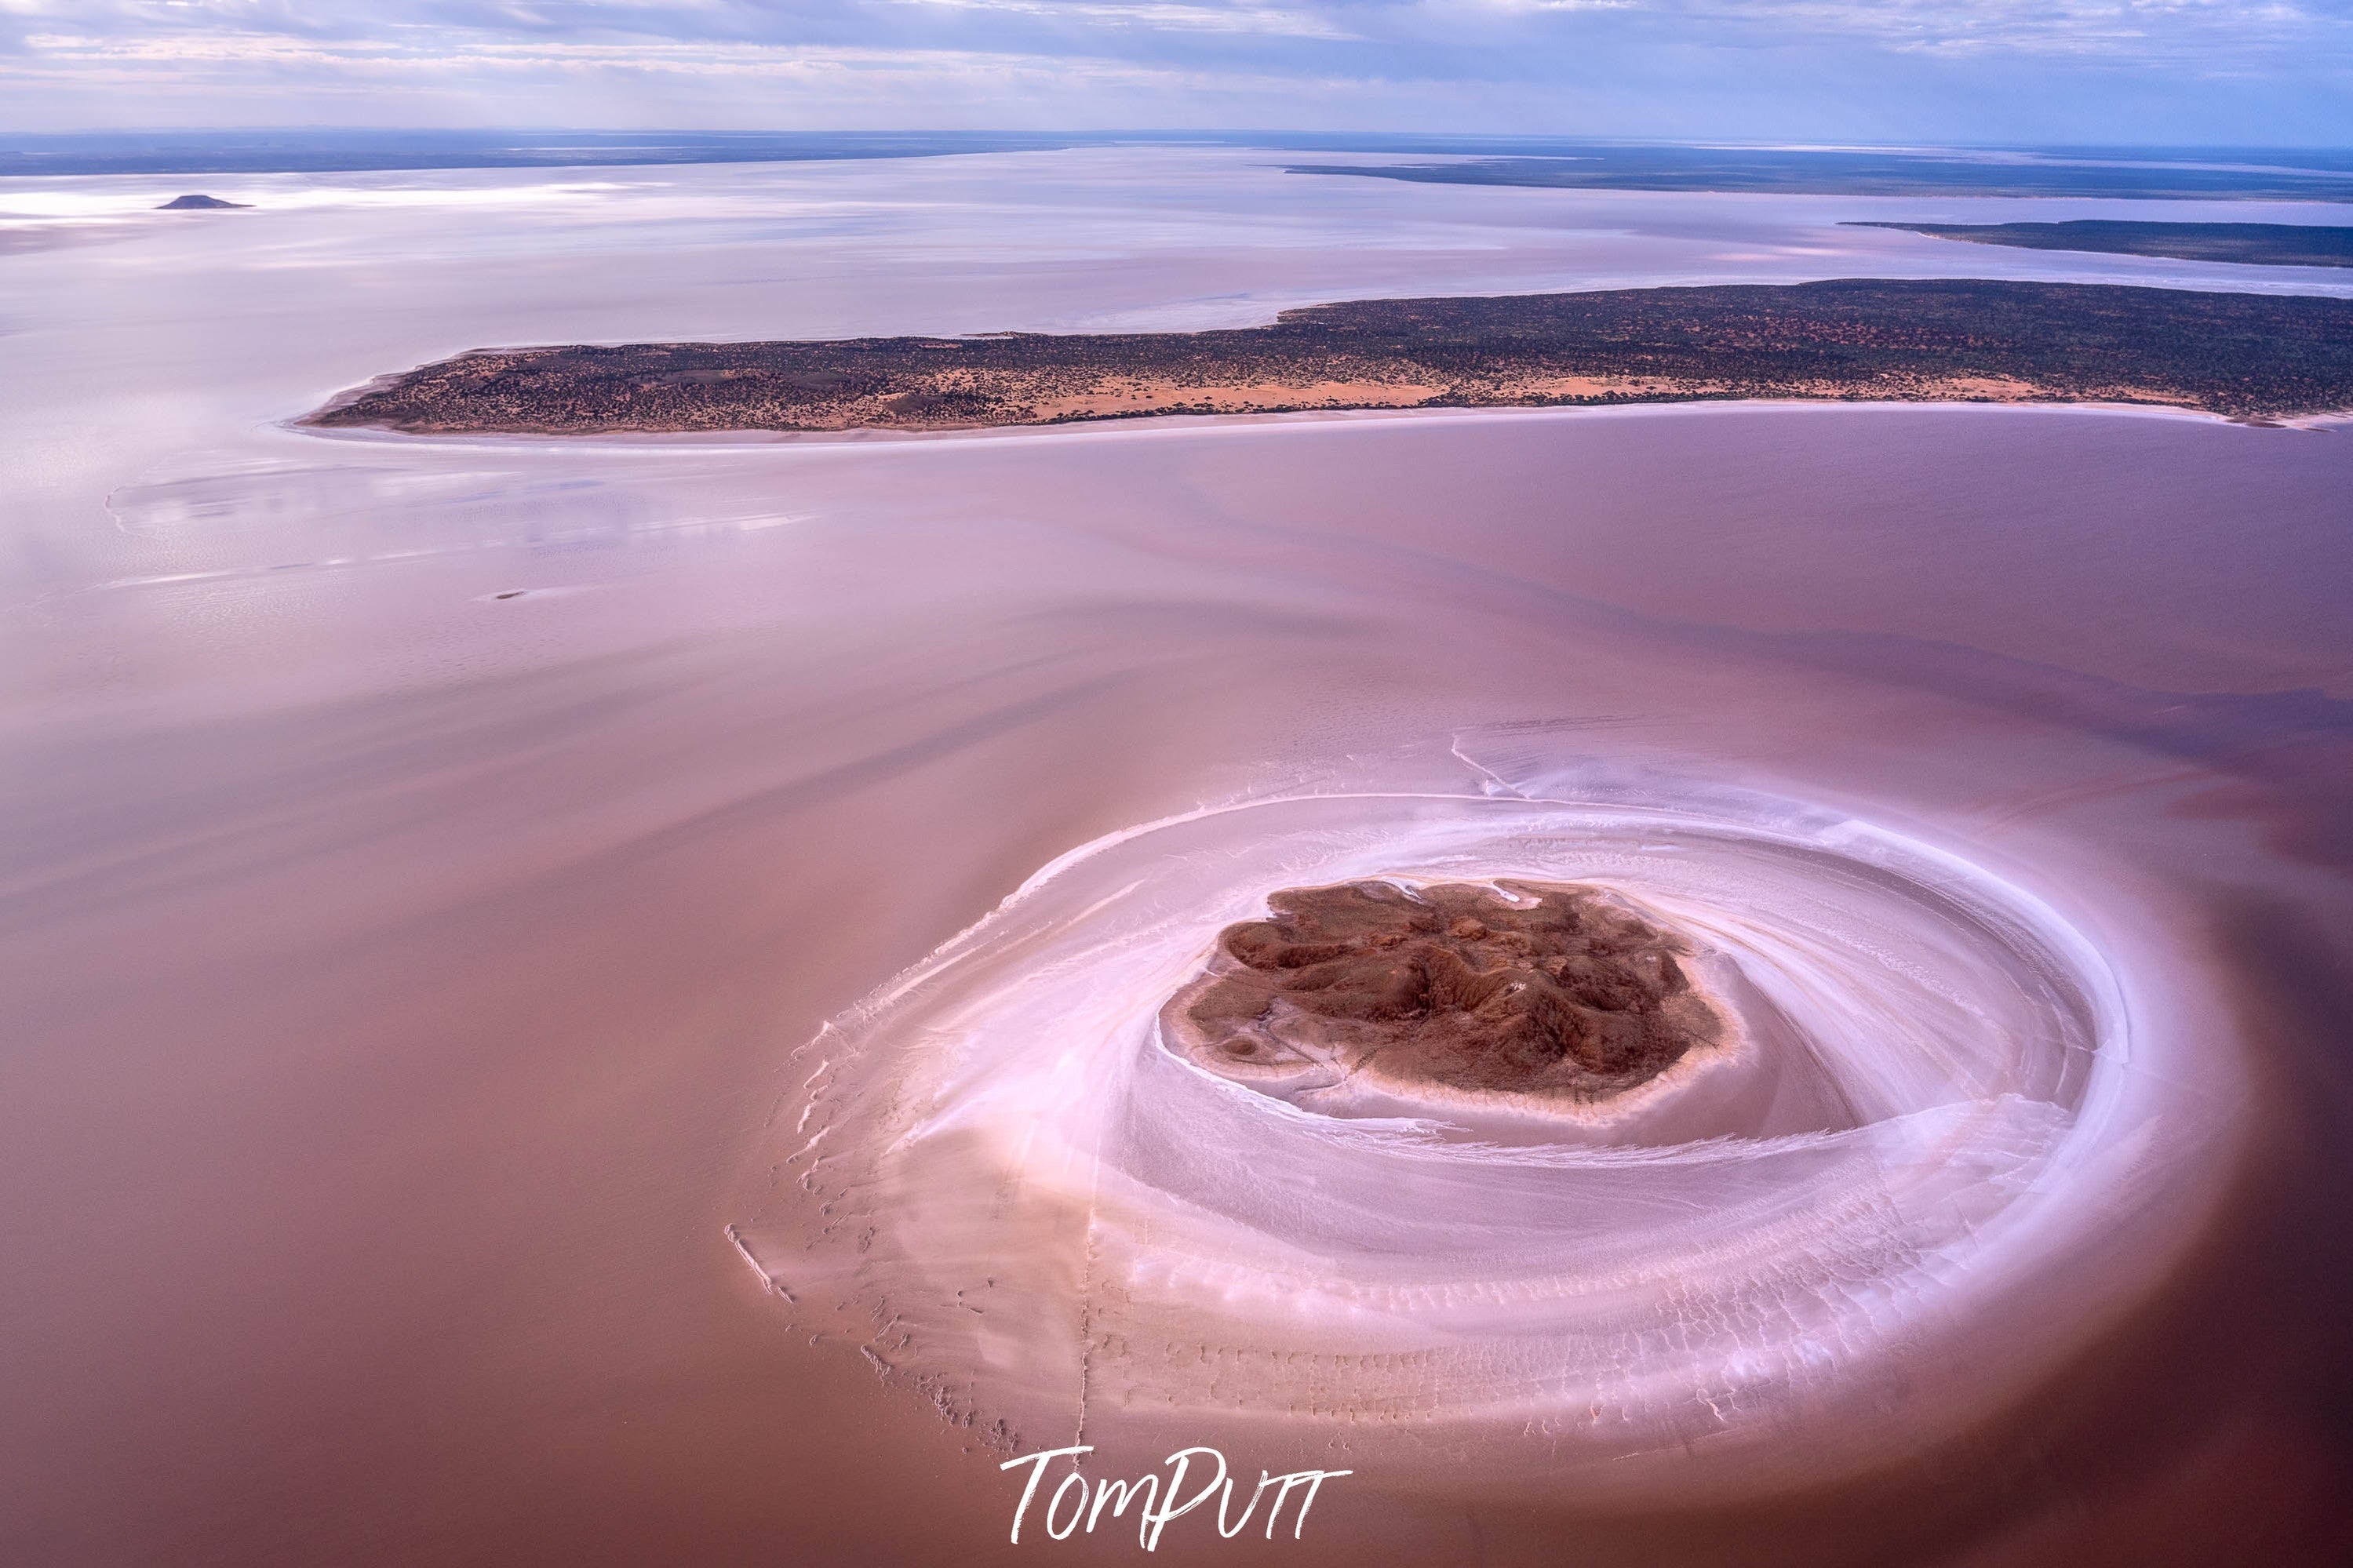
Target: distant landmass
(200,204)
(2254,244)
(2147,175)
(2246,355)
(1567,162)
(357,151)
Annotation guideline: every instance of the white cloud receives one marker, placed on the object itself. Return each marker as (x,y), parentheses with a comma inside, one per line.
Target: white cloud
(1752,67)
(1156,17)
(2128,29)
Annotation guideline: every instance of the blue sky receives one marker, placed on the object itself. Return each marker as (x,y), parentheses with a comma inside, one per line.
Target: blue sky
(2135,71)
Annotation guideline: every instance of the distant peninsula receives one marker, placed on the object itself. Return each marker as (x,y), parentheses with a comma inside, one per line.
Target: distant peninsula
(1882,172)
(2252,243)
(194,204)
(2249,356)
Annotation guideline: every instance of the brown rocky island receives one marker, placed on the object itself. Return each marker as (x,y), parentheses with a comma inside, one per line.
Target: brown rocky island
(2245,355)
(1537,989)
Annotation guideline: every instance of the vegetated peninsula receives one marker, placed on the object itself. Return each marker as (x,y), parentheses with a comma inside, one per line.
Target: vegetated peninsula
(2253,243)
(2245,355)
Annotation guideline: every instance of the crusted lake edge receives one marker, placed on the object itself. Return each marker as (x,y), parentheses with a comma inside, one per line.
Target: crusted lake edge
(2245,357)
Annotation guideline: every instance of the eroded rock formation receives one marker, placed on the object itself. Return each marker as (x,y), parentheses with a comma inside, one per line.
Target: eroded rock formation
(1528,987)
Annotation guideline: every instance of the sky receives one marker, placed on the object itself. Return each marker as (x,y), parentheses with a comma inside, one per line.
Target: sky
(2165,72)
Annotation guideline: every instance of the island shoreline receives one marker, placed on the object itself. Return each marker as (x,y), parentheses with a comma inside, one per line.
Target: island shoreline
(1179,424)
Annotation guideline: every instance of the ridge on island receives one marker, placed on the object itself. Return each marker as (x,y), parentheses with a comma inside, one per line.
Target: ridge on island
(1940,340)
(194,203)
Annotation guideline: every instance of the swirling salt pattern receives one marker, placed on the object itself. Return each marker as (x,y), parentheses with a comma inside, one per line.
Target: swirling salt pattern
(1055,1224)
